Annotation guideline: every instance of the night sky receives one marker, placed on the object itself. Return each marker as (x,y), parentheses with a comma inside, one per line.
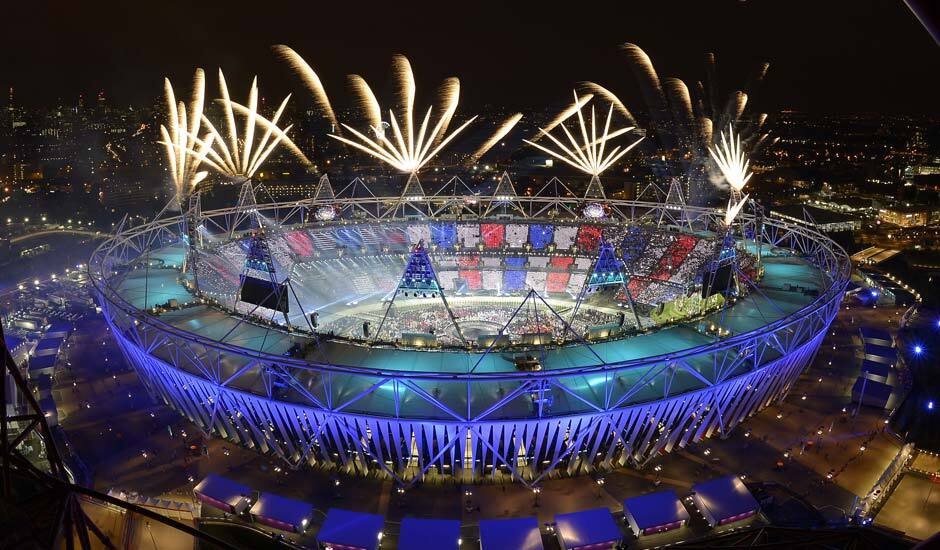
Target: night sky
(826,56)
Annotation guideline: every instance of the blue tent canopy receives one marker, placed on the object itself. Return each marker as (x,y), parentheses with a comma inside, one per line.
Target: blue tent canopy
(876,370)
(656,510)
(587,528)
(222,492)
(510,534)
(419,534)
(881,353)
(49,343)
(725,499)
(12,342)
(282,512)
(42,362)
(351,529)
(60,326)
(871,392)
(875,335)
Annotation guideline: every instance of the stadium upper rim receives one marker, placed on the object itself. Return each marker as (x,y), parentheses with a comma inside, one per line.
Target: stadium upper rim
(826,255)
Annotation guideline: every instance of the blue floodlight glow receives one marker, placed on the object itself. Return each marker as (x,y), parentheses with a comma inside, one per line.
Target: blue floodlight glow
(930,405)
(918,349)
(874,293)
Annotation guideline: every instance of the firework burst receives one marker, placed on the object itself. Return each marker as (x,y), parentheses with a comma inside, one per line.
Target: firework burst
(590,154)
(410,147)
(684,120)
(731,160)
(238,155)
(185,152)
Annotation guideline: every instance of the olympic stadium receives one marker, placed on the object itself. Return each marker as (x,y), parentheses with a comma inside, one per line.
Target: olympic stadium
(464,336)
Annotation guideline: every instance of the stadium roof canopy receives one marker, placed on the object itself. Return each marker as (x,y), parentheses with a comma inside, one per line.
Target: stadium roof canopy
(749,313)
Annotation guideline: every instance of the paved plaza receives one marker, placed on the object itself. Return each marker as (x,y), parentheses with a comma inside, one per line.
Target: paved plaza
(130,443)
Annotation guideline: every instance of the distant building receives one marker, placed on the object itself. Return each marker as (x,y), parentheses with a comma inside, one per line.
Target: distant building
(909,216)
(826,220)
(847,205)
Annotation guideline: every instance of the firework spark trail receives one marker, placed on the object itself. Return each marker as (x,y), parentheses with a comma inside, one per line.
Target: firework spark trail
(597,89)
(752,129)
(198,102)
(580,101)
(734,209)
(681,101)
(706,129)
(731,160)
(401,69)
(448,98)
(588,155)
(737,104)
(501,132)
(310,78)
(367,102)
(711,78)
(700,98)
(646,73)
(184,151)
